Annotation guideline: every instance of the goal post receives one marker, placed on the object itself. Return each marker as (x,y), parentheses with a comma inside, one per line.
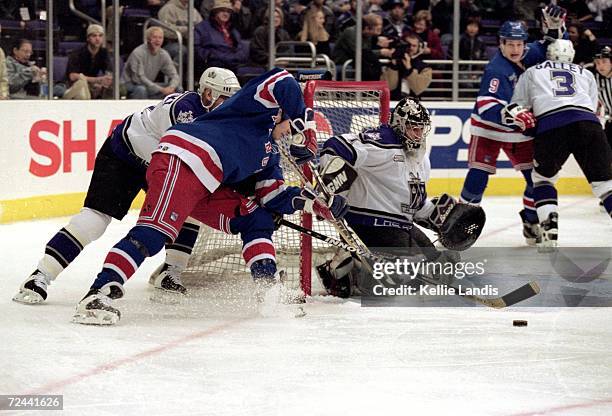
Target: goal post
(340,107)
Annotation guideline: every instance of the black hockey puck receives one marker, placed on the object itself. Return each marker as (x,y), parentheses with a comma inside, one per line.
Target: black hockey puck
(519,322)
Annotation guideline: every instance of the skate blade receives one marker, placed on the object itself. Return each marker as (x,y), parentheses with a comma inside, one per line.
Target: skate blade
(547,248)
(28,297)
(531,242)
(166,298)
(100,318)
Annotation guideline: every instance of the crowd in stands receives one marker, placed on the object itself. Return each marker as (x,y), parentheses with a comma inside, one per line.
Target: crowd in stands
(399,39)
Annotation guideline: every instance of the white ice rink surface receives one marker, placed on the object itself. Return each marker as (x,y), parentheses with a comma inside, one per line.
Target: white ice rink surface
(215,356)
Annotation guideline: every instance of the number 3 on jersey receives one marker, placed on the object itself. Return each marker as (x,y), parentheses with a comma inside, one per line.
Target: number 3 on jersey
(565,83)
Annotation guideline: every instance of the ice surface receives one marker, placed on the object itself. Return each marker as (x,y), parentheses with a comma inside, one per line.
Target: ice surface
(213,355)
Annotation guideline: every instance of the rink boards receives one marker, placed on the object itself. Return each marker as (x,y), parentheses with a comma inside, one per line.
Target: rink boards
(49,150)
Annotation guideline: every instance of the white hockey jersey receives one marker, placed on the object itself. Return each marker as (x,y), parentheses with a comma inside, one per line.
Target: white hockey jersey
(558,94)
(139,134)
(390,187)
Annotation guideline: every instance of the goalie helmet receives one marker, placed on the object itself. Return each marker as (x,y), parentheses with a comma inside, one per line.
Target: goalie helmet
(560,50)
(221,81)
(411,122)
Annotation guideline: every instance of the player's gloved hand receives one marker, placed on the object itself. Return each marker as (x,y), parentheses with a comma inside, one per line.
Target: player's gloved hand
(519,116)
(303,147)
(553,22)
(309,201)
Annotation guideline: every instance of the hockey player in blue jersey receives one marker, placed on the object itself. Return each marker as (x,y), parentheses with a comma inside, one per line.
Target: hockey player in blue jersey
(118,176)
(492,129)
(216,153)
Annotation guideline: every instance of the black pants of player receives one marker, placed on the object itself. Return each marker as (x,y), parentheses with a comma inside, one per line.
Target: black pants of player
(390,237)
(608,131)
(114,183)
(585,140)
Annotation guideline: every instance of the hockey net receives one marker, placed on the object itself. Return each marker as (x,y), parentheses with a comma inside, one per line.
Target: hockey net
(340,107)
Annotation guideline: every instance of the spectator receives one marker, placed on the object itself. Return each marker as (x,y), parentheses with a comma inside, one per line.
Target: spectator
(345,47)
(347,18)
(217,43)
(584,41)
(314,31)
(374,6)
(471,47)
(396,22)
(4,84)
(174,13)
(242,19)
(262,14)
(432,48)
(22,10)
(89,68)
(319,5)
(412,76)
(23,76)
(576,10)
(259,43)
(602,9)
(144,66)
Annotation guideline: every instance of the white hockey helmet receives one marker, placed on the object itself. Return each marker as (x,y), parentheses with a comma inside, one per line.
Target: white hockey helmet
(221,81)
(561,50)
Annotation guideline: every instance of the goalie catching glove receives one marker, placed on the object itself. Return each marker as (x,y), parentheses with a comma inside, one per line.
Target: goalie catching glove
(308,200)
(303,142)
(458,225)
(514,114)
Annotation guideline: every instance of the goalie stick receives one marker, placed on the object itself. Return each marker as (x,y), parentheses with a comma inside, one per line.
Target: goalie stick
(517,295)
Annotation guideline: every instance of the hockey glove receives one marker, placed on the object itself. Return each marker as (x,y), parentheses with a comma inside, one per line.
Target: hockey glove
(519,116)
(309,201)
(303,146)
(553,22)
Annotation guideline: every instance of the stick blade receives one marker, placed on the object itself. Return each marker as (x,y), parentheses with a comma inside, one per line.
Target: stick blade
(522,293)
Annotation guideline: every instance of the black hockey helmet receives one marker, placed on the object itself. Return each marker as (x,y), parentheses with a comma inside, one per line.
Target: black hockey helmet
(605,52)
(411,122)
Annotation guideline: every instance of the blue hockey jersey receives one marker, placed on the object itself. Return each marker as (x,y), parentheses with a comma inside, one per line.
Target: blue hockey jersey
(496,89)
(234,141)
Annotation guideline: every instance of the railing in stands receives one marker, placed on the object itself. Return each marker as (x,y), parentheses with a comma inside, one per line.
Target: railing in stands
(294,61)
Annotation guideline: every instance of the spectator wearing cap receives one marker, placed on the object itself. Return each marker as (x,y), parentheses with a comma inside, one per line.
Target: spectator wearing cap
(144,66)
(345,47)
(89,68)
(174,13)
(432,47)
(259,44)
(396,22)
(217,43)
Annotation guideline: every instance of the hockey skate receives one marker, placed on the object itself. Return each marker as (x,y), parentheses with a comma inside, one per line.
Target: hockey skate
(549,232)
(34,289)
(530,230)
(274,300)
(167,284)
(96,307)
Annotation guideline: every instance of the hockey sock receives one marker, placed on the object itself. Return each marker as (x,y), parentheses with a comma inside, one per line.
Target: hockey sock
(179,251)
(127,255)
(530,213)
(474,186)
(545,196)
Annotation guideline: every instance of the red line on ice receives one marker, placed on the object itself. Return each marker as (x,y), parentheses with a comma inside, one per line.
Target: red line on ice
(552,410)
(60,384)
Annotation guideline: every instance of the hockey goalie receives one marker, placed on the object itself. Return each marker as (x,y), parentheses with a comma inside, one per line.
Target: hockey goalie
(382,172)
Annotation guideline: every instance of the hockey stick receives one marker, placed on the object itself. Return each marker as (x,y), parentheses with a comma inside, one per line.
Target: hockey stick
(517,295)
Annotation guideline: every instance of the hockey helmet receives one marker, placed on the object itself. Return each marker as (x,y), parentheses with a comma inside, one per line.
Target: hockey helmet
(221,81)
(605,52)
(513,30)
(561,50)
(411,122)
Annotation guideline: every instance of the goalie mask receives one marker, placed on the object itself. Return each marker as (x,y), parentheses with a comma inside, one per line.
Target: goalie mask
(411,123)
